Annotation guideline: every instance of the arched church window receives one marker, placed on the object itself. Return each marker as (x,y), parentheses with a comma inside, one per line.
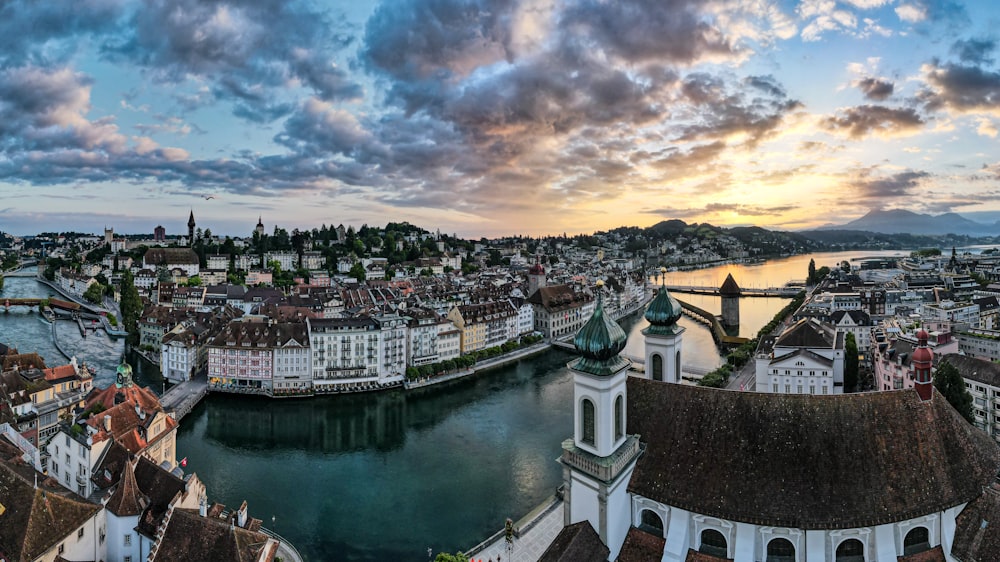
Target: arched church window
(714,543)
(851,550)
(677,367)
(780,550)
(917,540)
(587,419)
(657,367)
(651,523)
(619,417)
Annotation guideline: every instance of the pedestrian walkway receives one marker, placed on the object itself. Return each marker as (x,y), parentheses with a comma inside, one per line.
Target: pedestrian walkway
(530,545)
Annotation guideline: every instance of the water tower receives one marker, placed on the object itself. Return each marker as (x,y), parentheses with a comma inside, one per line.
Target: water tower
(730,293)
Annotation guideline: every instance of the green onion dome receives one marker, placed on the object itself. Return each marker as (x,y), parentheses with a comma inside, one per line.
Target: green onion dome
(664,310)
(123,374)
(601,338)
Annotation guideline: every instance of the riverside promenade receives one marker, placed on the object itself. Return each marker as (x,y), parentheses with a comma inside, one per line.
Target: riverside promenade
(485,364)
(533,534)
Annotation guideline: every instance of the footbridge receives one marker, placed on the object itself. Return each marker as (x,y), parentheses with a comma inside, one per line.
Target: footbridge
(787,292)
(32,302)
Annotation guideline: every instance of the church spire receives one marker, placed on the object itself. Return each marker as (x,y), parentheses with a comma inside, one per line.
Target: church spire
(599,342)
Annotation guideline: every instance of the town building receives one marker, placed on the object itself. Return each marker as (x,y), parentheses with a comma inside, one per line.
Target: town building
(128,415)
(807,358)
(560,310)
(171,258)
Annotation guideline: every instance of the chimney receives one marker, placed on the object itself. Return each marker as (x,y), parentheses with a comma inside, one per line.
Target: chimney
(107,423)
(921,362)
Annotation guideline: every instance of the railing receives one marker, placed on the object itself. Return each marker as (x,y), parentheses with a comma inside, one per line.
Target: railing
(602,470)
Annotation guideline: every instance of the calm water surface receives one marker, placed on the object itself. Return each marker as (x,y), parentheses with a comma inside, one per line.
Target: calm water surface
(386,476)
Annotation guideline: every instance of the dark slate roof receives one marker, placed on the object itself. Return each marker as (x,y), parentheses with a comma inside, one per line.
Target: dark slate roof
(979,370)
(859,317)
(191,537)
(556,298)
(977,528)
(127,500)
(160,486)
(808,332)
(578,542)
(640,546)
(36,519)
(170,256)
(695,556)
(729,287)
(835,462)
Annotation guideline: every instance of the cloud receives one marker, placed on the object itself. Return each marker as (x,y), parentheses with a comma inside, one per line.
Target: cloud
(722,208)
(975,51)
(867,120)
(249,52)
(48,32)
(918,11)
(960,88)
(875,88)
(875,190)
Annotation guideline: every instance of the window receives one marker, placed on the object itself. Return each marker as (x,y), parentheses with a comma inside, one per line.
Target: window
(917,540)
(587,431)
(128,539)
(774,388)
(619,418)
(651,523)
(79,533)
(127,559)
(780,550)
(657,370)
(851,550)
(714,543)
(62,548)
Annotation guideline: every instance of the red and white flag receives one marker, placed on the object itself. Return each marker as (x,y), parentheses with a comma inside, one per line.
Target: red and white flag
(184,461)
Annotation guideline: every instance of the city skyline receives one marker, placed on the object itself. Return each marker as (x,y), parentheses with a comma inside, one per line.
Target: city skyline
(491,118)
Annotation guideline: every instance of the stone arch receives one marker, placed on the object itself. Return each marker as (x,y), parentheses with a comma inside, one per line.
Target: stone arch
(780,550)
(651,522)
(917,540)
(851,550)
(713,543)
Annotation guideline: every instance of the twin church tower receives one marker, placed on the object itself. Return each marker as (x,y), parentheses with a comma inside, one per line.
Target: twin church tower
(599,460)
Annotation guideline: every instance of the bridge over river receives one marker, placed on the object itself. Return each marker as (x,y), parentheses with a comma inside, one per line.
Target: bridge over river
(788,291)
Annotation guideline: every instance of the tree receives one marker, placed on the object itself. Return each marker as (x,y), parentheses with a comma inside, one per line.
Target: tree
(194,281)
(131,307)
(357,271)
(812,272)
(850,363)
(949,382)
(445,557)
(94,292)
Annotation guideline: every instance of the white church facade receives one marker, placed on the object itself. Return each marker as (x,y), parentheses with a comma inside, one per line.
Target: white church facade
(661,471)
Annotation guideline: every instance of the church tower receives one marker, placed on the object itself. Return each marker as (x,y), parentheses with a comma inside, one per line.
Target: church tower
(921,361)
(536,277)
(191,229)
(598,461)
(663,337)
(259,229)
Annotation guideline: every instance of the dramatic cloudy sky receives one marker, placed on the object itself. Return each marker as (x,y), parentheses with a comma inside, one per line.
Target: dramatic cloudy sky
(493,117)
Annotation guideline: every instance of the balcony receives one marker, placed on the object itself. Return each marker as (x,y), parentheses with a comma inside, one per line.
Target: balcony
(603,468)
(81,479)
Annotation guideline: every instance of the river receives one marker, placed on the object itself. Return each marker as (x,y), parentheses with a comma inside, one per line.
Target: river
(373,477)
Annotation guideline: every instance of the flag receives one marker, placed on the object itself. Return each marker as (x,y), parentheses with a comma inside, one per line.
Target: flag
(184,461)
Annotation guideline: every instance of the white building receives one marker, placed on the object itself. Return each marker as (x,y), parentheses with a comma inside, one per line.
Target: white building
(392,346)
(345,353)
(807,358)
(289,261)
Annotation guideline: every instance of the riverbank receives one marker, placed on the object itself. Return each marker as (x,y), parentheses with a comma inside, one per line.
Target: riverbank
(486,364)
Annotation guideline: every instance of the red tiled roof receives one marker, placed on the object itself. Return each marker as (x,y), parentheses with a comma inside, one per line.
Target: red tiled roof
(641,546)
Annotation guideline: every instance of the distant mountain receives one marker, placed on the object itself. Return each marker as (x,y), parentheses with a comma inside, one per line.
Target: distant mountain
(899,221)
